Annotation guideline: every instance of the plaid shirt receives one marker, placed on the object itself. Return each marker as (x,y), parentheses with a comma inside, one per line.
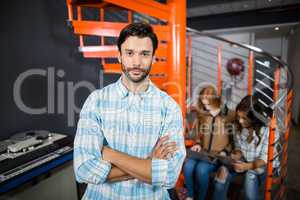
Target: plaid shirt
(131,124)
(251,151)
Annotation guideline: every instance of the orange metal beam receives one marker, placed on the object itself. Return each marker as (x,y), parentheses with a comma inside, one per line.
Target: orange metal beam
(288,119)
(112,29)
(159,80)
(288,124)
(79,18)
(283,174)
(290,95)
(287,132)
(102,37)
(70,10)
(157,68)
(289,99)
(111,51)
(250,72)
(104,51)
(269,178)
(180,182)
(276,83)
(129,17)
(91,5)
(176,86)
(151,8)
(284,148)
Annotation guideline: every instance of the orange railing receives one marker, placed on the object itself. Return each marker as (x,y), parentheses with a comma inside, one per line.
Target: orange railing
(278,75)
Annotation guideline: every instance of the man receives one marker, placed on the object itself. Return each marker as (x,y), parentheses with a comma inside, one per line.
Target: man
(141,125)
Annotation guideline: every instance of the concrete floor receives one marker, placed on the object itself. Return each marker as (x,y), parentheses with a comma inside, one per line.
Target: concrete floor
(293,182)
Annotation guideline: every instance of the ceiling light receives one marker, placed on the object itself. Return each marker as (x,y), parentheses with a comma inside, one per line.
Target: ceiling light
(245,5)
(276,28)
(269,0)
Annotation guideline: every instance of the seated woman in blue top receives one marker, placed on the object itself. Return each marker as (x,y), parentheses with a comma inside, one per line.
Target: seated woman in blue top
(251,150)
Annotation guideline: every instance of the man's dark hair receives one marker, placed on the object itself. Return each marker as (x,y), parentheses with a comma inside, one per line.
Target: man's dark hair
(140,30)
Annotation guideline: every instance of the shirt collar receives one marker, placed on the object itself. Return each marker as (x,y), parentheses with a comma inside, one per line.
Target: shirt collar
(123,91)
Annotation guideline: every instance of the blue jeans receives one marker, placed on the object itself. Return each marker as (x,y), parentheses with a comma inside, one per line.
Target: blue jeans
(221,188)
(251,185)
(201,170)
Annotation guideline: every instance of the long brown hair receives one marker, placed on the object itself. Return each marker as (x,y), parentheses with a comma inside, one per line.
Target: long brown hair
(248,105)
(209,93)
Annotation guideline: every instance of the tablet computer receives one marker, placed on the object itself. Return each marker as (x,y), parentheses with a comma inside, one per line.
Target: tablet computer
(202,155)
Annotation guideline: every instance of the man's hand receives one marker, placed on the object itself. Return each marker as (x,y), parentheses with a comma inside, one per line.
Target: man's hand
(163,149)
(123,178)
(126,166)
(115,174)
(139,168)
(196,148)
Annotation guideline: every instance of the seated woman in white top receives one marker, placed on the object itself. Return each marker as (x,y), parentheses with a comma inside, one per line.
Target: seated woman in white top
(250,153)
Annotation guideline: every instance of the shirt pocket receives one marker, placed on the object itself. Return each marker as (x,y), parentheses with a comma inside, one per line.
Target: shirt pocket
(151,125)
(115,129)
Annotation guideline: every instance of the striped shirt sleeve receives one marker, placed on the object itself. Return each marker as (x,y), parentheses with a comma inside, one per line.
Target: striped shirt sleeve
(89,166)
(166,172)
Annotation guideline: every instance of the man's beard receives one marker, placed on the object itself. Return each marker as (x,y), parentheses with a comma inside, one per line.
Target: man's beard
(145,73)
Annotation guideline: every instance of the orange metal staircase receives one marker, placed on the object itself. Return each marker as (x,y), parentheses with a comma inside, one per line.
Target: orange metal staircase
(168,72)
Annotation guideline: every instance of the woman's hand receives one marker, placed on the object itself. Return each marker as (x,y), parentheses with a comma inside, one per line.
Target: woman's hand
(223,153)
(196,148)
(236,155)
(240,166)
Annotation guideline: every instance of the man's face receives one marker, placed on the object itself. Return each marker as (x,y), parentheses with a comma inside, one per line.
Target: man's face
(136,58)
